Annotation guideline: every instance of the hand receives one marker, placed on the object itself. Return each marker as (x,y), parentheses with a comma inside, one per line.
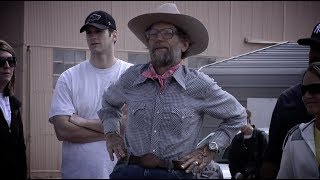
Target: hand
(251,176)
(198,159)
(115,144)
(241,176)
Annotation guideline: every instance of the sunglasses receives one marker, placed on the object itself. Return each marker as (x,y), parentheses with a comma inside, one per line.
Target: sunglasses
(311,88)
(12,61)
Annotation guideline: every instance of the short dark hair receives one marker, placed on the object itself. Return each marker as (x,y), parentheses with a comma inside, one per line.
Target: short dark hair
(9,89)
(313,68)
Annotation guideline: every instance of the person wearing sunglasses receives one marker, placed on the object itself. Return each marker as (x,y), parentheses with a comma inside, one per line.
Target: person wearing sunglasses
(301,152)
(288,112)
(13,163)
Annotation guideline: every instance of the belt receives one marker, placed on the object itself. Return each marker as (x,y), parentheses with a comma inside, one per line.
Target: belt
(152,161)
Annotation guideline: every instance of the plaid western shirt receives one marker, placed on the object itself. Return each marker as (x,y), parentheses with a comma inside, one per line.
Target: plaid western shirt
(167,122)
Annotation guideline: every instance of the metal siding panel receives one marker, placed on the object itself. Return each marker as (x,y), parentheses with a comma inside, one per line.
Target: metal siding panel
(58,23)
(241,23)
(256,80)
(45,148)
(199,10)
(125,11)
(264,73)
(215,16)
(267,16)
(256,20)
(300,18)
(219,28)
(12,22)
(254,92)
(274,32)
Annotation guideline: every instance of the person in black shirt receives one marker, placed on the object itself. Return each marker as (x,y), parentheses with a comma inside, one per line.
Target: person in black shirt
(13,161)
(246,152)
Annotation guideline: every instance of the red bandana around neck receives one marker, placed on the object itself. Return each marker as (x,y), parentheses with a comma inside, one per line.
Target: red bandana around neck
(151,73)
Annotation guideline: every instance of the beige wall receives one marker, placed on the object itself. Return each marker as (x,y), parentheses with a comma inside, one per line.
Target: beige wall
(57,23)
(42,25)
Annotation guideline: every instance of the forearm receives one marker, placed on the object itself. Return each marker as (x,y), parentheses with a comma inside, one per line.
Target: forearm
(84,136)
(90,124)
(67,131)
(78,134)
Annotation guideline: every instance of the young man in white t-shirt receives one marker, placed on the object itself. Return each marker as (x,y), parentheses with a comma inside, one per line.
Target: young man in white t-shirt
(77,98)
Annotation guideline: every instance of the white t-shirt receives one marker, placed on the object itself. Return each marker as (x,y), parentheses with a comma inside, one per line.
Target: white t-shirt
(79,90)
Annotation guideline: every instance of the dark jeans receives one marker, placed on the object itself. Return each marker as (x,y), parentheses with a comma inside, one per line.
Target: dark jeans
(132,171)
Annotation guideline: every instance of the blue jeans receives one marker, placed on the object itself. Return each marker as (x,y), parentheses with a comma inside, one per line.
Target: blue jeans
(132,171)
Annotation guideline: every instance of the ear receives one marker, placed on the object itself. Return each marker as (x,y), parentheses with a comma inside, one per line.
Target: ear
(185,46)
(114,35)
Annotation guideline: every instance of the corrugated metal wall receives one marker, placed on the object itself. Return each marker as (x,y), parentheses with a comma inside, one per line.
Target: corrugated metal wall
(44,25)
(45,150)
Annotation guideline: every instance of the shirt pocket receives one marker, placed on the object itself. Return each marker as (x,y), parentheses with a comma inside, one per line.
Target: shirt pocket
(137,108)
(174,116)
(139,114)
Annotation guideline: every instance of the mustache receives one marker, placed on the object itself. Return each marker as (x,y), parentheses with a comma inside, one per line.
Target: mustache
(159,47)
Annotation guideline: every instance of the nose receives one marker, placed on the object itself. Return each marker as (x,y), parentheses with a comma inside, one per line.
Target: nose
(6,64)
(308,95)
(92,36)
(159,37)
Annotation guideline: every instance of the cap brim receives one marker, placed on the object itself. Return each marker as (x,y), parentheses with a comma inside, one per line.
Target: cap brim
(99,26)
(309,42)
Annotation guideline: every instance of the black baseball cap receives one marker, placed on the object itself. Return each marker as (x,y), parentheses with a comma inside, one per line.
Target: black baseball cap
(100,20)
(314,40)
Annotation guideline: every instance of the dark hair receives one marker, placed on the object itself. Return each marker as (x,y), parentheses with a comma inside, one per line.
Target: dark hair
(110,30)
(9,89)
(313,68)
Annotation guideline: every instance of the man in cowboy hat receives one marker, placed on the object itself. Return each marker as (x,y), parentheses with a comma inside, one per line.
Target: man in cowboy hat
(166,103)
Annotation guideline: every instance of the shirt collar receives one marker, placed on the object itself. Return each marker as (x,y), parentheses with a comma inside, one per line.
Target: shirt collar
(179,76)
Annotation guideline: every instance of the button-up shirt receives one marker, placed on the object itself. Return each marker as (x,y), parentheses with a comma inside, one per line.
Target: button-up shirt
(167,122)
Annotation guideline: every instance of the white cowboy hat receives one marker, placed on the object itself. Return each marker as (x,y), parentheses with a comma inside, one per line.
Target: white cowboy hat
(169,13)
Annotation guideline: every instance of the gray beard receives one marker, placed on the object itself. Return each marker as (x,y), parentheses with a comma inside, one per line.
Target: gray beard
(162,60)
